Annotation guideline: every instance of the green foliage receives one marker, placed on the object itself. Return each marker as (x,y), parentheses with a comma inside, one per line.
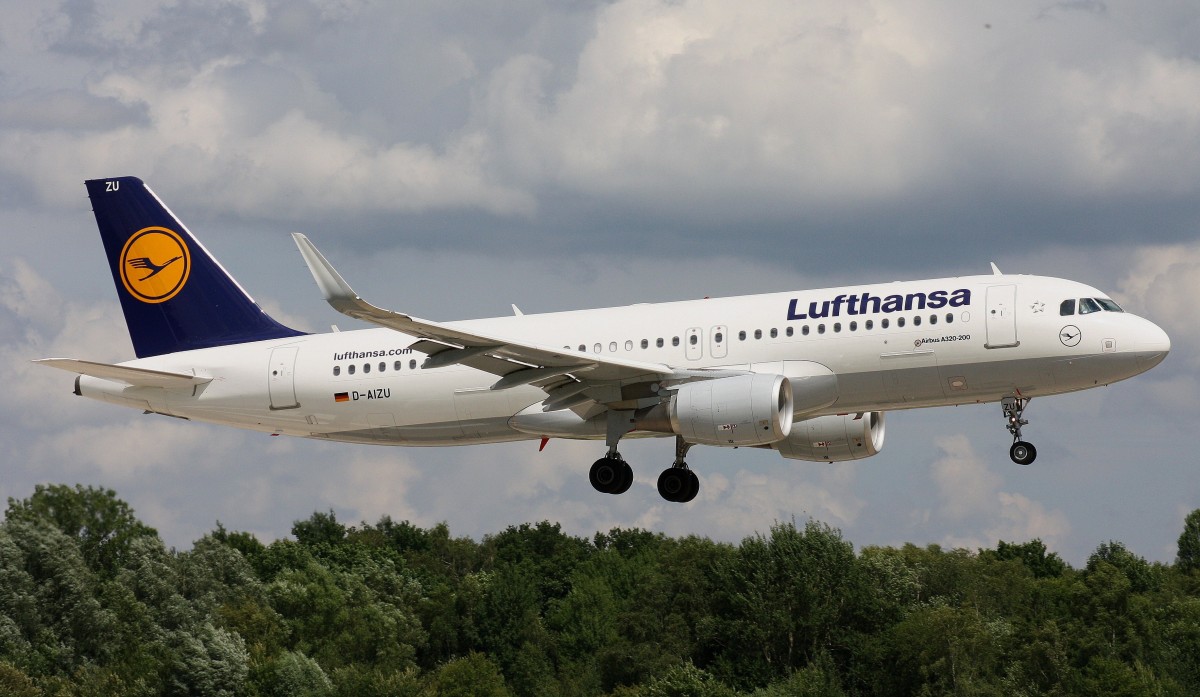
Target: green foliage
(1188,558)
(104,525)
(473,675)
(785,598)
(92,603)
(1032,555)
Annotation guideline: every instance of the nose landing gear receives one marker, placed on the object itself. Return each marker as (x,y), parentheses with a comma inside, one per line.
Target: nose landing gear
(1021,452)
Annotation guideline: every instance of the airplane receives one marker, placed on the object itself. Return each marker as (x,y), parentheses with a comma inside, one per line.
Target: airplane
(809,374)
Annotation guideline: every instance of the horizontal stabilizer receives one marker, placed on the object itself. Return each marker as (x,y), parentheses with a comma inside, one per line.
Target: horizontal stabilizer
(138,377)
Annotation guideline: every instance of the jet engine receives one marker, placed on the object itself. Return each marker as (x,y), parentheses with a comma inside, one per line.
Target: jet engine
(740,410)
(834,438)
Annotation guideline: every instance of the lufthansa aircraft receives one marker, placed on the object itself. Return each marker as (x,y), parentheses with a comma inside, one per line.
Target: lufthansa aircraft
(808,373)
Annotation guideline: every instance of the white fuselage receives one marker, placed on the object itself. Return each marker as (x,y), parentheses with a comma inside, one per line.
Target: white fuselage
(946,341)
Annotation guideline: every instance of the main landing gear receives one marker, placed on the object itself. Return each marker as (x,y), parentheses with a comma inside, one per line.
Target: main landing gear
(1021,452)
(677,484)
(611,474)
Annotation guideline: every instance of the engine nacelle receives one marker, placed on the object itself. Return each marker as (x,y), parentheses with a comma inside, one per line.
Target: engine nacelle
(833,438)
(741,410)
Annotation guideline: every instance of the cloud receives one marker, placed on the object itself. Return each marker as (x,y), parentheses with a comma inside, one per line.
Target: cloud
(1163,284)
(701,104)
(973,505)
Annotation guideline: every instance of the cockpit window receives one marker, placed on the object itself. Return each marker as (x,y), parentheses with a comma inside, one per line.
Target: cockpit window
(1087,306)
(1109,305)
(1067,307)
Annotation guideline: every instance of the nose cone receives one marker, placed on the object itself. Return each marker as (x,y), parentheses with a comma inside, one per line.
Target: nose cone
(1152,344)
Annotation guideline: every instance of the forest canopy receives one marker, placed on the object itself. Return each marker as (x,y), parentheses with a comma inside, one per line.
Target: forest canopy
(93,603)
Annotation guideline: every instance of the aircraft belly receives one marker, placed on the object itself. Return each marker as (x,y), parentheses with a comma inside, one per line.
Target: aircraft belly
(485,430)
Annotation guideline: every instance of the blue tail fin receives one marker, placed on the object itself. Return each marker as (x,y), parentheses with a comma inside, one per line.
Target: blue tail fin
(175,296)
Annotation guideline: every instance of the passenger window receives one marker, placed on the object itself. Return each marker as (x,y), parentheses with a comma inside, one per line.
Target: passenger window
(718,337)
(382,367)
(899,321)
(628,345)
(612,347)
(350,369)
(1087,306)
(774,333)
(693,339)
(582,348)
(741,336)
(869,325)
(804,330)
(917,321)
(337,370)
(1067,307)
(884,323)
(597,348)
(837,327)
(366,367)
(933,319)
(398,365)
(645,343)
(412,364)
(820,328)
(949,318)
(757,333)
(854,326)
(674,341)
(659,343)
(789,331)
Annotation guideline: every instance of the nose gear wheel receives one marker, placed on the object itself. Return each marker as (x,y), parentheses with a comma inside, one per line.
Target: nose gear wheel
(1022,452)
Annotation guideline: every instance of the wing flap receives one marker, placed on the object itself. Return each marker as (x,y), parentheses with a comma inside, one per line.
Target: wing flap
(137,377)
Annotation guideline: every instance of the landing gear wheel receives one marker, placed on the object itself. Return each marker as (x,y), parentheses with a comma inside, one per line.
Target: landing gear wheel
(678,484)
(610,475)
(693,487)
(1022,453)
(626,480)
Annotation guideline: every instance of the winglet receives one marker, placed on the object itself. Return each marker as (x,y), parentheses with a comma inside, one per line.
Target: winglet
(341,296)
(337,292)
(995,269)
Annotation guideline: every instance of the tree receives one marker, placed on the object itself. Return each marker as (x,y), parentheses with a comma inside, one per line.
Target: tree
(474,675)
(784,599)
(1032,555)
(1139,572)
(1187,559)
(103,524)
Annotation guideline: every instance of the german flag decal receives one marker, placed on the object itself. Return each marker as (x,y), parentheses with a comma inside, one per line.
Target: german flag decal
(341,396)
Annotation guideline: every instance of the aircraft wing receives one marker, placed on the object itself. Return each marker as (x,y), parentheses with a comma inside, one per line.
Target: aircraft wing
(563,374)
(138,377)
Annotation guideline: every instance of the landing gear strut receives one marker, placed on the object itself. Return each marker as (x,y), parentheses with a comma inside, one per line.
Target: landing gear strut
(1021,452)
(677,483)
(612,475)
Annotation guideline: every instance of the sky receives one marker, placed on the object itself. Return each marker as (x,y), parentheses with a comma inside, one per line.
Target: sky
(454,158)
